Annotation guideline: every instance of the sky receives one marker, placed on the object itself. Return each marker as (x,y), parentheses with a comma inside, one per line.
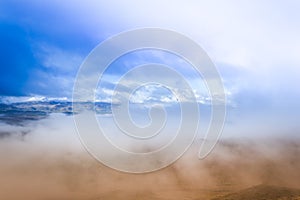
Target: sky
(255,46)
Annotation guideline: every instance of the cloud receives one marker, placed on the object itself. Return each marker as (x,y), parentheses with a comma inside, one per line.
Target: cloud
(42,48)
(51,156)
(152,94)
(254,44)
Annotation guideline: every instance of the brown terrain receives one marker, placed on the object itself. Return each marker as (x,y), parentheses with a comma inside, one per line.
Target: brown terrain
(263,192)
(36,169)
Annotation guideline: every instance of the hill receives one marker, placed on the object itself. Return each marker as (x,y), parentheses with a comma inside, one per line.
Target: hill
(263,192)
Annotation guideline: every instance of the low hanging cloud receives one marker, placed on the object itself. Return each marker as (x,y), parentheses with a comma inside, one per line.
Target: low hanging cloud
(50,155)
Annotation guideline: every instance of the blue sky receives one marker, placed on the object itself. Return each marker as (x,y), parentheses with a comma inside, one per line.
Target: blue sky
(255,46)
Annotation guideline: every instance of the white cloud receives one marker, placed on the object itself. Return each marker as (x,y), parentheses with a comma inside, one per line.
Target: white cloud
(259,37)
(254,34)
(58,59)
(152,94)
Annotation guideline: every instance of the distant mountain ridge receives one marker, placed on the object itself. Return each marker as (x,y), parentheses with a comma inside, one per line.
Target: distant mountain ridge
(19,112)
(23,99)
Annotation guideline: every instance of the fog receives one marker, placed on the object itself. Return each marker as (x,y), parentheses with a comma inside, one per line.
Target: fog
(44,159)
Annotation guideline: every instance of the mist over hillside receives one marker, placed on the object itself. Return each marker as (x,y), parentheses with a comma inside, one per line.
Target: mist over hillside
(62,165)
